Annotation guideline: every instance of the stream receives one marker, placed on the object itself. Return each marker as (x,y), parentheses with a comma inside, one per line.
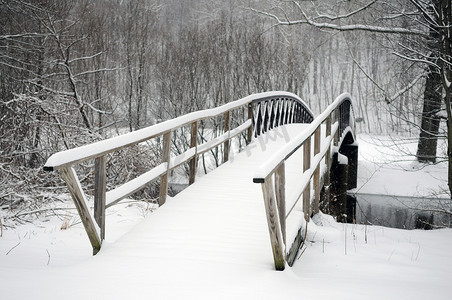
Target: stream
(403,212)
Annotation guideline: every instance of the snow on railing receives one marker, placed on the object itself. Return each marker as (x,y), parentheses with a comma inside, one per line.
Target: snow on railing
(265,111)
(338,120)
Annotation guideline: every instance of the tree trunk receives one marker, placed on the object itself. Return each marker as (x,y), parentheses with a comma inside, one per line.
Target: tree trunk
(449,137)
(428,137)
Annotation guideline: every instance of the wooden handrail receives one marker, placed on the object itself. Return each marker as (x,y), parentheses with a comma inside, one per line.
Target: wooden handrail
(269,110)
(274,199)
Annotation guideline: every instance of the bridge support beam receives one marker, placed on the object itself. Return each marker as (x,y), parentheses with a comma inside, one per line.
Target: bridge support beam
(351,151)
(339,186)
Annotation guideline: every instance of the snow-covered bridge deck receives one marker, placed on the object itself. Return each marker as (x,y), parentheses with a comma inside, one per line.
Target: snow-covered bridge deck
(218,220)
(281,124)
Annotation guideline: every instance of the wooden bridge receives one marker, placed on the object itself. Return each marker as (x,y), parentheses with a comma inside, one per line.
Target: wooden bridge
(290,165)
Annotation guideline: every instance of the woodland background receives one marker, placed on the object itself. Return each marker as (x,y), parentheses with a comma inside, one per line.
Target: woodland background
(73,72)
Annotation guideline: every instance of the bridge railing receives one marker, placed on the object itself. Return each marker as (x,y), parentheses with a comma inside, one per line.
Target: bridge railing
(338,119)
(263,112)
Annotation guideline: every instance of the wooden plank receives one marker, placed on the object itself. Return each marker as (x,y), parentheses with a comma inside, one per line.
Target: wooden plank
(134,185)
(100,190)
(227,127)
(204,147)
(293,249)
(273,224)
(91,228)
(193,144)
(166,153)
(71,157)
(280,189)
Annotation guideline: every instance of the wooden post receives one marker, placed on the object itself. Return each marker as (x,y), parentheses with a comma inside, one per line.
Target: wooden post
(306,166)
(280,182)
(79,199)
(100,193)
(250,117)
(193,144)
(327,180)
(272,221)
(227,143)
(317,172)
(166,153)
(307,155)
(306,201)
(328,125)
(316,190)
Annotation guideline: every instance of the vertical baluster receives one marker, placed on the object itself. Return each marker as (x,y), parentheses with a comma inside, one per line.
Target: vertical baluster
(276,123)
(267,105)
(282,112)
(271,124)
(258,129)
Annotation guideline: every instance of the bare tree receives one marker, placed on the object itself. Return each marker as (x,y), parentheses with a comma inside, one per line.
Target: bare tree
(420,31)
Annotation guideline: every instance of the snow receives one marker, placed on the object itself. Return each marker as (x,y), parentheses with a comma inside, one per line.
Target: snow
(388,167)
(209,243)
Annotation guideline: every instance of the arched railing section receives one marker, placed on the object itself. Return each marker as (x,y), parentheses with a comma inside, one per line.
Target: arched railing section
(346,118)
(337,119)
(273,111)
(265,110)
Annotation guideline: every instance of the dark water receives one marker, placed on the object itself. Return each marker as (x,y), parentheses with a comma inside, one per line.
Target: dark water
(403,212)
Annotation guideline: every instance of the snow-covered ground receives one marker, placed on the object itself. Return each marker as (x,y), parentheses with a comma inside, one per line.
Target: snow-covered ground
(387,166)
(339,261)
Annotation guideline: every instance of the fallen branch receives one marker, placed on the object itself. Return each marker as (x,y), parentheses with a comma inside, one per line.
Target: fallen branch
(12,248)
(48,254)
(38,211)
